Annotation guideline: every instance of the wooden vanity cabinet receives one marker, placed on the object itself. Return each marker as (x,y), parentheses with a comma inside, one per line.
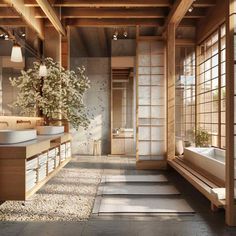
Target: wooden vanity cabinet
(26,167)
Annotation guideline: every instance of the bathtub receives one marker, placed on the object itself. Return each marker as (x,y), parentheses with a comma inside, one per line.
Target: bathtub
(210,159)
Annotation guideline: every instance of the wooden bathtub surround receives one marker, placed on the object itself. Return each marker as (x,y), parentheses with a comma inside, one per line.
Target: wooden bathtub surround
(217,181)
(13,162)
(201,181)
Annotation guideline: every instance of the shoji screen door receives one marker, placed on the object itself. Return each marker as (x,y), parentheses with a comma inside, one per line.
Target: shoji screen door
(151,101)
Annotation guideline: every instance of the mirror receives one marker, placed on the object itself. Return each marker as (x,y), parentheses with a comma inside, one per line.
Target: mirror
(122,100)
(122,111)
(9,69)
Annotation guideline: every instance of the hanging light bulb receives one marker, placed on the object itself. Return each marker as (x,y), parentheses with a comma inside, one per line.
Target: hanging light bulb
(116,33)
(125,34)
(16,53)
(190,9)
(43,70)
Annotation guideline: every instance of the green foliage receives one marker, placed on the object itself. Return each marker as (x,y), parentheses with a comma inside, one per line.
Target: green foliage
(60,94)
(202,138)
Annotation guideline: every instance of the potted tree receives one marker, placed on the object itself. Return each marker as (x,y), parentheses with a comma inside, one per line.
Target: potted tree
(58,96)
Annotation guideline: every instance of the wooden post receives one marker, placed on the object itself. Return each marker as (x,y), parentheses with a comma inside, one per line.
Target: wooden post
(65,50)
(137,96)
(171,91)
(230,113)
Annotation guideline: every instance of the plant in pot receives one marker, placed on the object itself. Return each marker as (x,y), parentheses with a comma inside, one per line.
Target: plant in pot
(58,96)
(202,138)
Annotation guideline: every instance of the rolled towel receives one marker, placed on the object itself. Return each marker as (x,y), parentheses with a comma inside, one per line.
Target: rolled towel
(219,193)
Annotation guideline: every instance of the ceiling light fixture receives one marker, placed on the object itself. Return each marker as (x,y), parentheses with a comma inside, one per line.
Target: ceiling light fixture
(125,34)
(16,53)
(190,9)
(43,72)
(116,33)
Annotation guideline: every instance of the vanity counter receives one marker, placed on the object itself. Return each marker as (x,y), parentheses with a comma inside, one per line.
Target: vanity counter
(30,148)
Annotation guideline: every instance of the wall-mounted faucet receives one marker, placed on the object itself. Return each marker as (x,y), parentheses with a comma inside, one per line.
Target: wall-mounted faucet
(23,121)
(4,122)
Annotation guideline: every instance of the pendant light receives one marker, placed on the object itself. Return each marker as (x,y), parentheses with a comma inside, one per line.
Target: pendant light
(16,53)
(43,70)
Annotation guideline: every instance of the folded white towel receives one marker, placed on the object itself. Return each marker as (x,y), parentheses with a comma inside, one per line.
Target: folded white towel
(219,193)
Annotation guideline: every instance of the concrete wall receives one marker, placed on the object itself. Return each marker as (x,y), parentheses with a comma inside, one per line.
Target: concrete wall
(97,101)
(123,47)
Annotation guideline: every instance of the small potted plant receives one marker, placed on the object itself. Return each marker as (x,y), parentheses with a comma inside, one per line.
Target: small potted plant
(202,138)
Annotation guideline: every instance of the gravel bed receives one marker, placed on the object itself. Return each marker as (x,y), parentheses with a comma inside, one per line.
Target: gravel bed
(68,196)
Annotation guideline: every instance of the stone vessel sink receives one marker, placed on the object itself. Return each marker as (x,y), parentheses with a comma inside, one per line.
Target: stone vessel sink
(49,130)
(17,136)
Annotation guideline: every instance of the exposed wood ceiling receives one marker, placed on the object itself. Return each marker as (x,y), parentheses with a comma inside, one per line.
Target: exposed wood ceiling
(84,45)
(102,17)
(60,13)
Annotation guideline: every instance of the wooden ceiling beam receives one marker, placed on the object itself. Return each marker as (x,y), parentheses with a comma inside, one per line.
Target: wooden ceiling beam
(3,4)
(104,13)
(8,13)
(113,22)
(74,12)
(28,16)
(105,3)
(51,15)
(13,22)
(113,13)
(185,42)
(177,12)
(204,3)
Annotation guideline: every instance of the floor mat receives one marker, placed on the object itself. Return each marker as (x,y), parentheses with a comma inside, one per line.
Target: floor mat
(134,178)
(143,205)
(141,189)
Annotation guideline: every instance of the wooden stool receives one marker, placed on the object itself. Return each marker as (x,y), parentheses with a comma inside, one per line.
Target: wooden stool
(97,147)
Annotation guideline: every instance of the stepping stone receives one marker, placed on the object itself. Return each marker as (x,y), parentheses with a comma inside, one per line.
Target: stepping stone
(137,189)
(143,205)
(133,178)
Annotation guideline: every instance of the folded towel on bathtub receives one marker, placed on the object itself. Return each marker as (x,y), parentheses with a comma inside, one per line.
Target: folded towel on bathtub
(219,193)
